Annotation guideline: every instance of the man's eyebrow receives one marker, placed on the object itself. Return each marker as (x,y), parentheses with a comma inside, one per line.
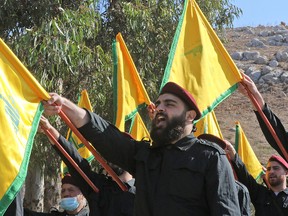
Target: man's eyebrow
(165,101)
(170,100)
(275,166)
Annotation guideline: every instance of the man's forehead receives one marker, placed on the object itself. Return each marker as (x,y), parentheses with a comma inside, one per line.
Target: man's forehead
(168,96)
(67,186)
(273,164)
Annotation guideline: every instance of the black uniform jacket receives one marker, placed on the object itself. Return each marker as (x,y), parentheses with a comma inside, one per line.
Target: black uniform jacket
(277,126)
(265,201)
(111,200)
(84,212)
(244,199)
(191,177)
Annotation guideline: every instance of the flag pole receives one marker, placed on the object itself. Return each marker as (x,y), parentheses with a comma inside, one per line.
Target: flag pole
(93,151)
(272,131)
(74,164)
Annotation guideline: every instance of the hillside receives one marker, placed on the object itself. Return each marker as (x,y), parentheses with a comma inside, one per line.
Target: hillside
(262,52)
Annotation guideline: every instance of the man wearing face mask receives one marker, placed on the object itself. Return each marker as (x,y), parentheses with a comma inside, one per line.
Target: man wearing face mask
(111,200)
(175,175)
(72,201)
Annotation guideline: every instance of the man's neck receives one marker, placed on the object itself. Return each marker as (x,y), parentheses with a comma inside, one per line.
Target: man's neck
(279,188)
(187,131)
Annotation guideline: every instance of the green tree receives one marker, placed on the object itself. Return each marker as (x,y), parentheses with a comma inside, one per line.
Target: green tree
(18,15)
(64,58)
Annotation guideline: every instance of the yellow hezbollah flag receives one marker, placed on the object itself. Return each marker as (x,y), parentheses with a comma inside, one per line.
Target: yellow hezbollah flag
(128,89)
(208,125)
(247,154)
(199,62)
(138,129)
(84,102)
(20,111)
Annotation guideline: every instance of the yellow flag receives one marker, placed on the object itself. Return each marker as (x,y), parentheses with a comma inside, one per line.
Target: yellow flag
(208,125)
(20,111)
(199,62)
(247,154)
(138,129)
(128,90)
(84,102)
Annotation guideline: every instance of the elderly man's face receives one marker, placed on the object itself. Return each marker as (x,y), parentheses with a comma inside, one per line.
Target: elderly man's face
(169,119)
(276,174)
(69,190)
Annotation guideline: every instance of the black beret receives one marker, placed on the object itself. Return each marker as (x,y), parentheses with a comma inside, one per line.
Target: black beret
(68,179)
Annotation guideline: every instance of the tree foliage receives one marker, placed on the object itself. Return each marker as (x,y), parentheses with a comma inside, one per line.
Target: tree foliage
(17,15)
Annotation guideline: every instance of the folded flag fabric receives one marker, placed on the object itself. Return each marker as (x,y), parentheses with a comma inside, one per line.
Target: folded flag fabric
(199,62)
(20,112)
(138,129)
(208,125)
(246,153)
(83,102)
(129,93)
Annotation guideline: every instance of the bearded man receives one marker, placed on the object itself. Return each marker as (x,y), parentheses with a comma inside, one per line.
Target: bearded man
(271,200)
(177,174)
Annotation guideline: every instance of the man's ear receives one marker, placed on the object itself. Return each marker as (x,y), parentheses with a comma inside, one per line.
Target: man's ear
(190,115)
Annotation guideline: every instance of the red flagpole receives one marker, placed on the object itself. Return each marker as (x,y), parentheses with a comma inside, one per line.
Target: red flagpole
(74,164)
(93,151)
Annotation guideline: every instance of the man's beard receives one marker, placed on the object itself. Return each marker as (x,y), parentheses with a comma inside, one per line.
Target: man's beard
(275,182)
(173,131)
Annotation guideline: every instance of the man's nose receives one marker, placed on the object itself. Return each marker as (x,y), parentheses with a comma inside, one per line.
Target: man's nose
(65,194)
(160,108)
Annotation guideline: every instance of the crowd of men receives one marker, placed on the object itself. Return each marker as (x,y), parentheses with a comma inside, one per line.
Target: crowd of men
(175,174)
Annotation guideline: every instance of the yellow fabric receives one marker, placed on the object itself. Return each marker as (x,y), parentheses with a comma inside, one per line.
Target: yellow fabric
(199,62)
(246,153)
(20,111)
(208,125)
(138,129)
(84,102)
(129,91)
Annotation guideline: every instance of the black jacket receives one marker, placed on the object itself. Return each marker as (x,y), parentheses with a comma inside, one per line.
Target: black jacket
(277,126)
(84,212)
(111,200)
(244,199)
(191,177)
(265,201)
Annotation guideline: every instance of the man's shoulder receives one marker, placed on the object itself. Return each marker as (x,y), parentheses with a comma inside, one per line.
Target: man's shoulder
(210,146)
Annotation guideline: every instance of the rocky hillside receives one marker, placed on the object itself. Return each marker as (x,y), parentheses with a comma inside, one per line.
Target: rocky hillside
(262,52)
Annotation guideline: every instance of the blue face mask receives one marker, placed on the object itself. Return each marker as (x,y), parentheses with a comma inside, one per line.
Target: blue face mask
(69,203)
